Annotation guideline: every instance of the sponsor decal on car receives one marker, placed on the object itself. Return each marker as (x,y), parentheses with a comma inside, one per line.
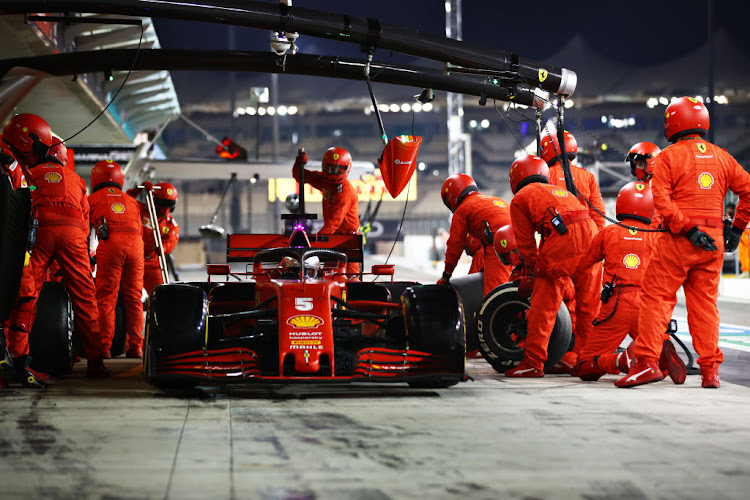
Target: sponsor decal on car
(304,321)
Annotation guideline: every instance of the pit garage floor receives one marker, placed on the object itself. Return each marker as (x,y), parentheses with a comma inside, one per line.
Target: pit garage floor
(490,438)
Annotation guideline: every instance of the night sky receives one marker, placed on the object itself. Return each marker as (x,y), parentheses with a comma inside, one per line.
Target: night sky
(631,31)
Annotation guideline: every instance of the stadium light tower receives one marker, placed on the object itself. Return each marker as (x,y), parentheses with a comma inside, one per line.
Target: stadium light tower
(455,102)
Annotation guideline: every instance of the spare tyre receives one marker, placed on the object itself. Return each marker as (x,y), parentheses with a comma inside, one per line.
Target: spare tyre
(501,325)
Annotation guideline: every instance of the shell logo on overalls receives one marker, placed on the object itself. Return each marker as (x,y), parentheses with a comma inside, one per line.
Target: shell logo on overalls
(706,180)
(53,177)
(500,203)
(560,193)
(631,261)
(118,208)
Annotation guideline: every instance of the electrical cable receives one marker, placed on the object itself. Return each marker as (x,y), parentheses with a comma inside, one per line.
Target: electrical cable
(125,80)
(582,197)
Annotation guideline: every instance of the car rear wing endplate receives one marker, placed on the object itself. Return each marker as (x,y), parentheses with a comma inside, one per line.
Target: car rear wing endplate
(244,247)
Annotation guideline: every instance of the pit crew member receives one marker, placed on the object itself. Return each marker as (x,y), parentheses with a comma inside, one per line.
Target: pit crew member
(691,180)
(477,215)
(61,207)
(340,200)
(116,218)
(567,229)
(165,201)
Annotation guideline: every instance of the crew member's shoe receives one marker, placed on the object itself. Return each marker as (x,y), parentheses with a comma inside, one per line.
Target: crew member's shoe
(26,376)
(96,369)
(642,372)
(671,364)
(589,370)
(138,353)
(710,378)
(524,370)
(625,359)
(566,365)
(40,375)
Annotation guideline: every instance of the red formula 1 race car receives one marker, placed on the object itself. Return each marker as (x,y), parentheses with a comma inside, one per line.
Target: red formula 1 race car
(297,317)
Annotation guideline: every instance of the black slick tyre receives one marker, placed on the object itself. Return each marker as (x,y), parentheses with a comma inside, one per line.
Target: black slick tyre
(501,324)
(434,324)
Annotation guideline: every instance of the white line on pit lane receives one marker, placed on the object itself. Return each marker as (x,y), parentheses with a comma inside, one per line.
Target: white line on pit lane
(725,330)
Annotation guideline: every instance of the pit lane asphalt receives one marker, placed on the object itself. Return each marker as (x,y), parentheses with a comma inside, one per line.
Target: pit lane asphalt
(490,438)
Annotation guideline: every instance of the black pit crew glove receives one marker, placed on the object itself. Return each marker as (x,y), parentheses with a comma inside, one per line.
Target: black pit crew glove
(732,235)
(701,240)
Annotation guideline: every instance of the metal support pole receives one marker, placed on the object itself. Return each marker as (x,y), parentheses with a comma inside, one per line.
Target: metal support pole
(157,234)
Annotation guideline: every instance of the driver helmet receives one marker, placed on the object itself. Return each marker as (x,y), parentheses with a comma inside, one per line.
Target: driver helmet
(292,203)
(313,267)
(288,267)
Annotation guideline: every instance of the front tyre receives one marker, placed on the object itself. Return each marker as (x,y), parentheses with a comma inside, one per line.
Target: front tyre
(434,324)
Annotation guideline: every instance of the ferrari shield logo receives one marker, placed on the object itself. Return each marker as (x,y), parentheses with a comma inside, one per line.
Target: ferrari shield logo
(542,75)
(335,156)
(639,186)
(111,190)
(693,100)
(633,231)
(504,243)
(165,230)
(169,191)
(701,147)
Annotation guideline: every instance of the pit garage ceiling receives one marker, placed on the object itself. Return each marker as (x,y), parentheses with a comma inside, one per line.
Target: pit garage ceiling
(68,105)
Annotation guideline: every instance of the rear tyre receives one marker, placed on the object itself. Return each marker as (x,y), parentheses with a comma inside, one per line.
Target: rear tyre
(501,324)
(14,231)
(51,337)
(471,290)
(120,337)
(434,324)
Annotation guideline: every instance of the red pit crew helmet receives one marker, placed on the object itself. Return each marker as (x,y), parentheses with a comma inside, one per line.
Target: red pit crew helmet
(337,163)
(29,138)
(635,201)
(106,173)
(505,246)
(528,169)
(642,157)
(455,189)
(165,198)
(685,116)
(551,147)
(59,150)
